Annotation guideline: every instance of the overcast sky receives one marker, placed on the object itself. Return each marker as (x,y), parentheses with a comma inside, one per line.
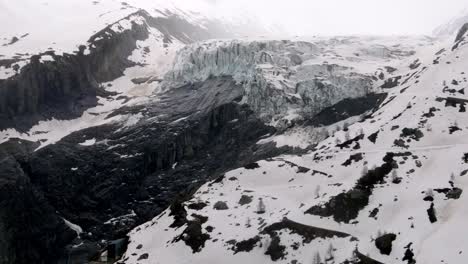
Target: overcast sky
(343,17)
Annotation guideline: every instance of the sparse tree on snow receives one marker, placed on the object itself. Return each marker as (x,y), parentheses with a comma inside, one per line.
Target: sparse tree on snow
(394,176)
(325,132)
(317,191)
(429,127)
(345,126)
(261,207)
(317,258)
(430,193)
(347,136)
(330,252)
(365,170)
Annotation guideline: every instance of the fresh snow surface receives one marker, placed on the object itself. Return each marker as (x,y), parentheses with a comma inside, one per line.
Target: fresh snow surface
(288,191)
(73,227)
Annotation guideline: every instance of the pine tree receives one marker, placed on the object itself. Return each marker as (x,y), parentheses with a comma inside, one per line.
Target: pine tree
(261,207)
(379,234)
(365,170)
(330,252)
(247,223)
(395,176)
(452,177)
(317,258)
(345,126)
(429,127)
(430,193)
(317,191)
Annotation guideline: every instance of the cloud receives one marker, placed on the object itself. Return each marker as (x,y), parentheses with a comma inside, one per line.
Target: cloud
(344,17)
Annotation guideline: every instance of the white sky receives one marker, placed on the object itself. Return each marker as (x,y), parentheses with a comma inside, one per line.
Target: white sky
(344,17)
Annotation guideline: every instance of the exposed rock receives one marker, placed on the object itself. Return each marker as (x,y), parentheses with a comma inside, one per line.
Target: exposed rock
(220,206)
(384,243)
(30,229)
(245,199)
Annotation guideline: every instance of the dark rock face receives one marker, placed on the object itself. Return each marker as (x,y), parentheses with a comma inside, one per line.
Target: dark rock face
(347,108)
(30,230)
(134,168)
(384,243)
(460,36)
(67,86)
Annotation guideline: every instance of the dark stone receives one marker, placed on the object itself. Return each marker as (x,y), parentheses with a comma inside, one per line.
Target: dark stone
(355,157)
(373,137)
(220,206)
(391,82)
(252,166)
(413,133)
(245,199)
(143,256)
(384,243)
(197,206)
(373,213)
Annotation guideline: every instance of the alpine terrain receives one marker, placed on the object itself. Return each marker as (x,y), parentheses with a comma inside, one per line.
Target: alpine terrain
(166,132)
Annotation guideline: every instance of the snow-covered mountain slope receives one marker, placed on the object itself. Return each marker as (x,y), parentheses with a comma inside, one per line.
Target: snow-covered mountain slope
(386,189)
(115,55)
(34,27)
(450,28)
(287,80)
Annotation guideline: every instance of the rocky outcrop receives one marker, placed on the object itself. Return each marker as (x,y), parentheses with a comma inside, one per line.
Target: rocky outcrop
(68,85)
(132,174)
(384,243)
(30,230)
(461,36)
